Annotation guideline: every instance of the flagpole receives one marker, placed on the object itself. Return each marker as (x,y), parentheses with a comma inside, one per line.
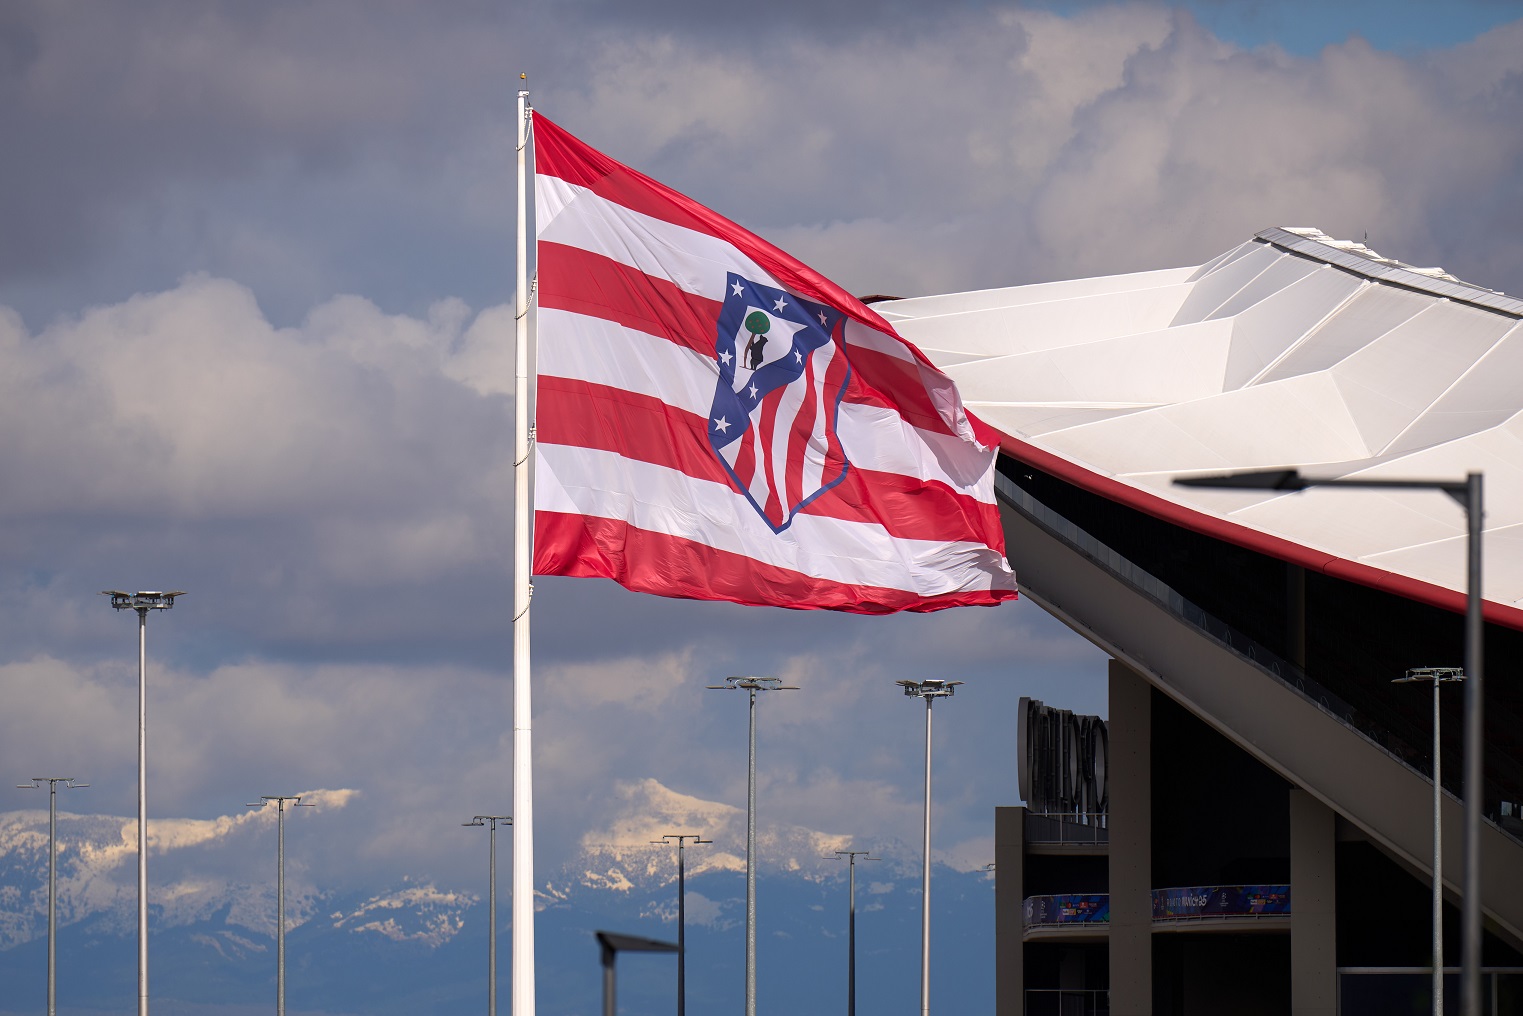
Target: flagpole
(523,509)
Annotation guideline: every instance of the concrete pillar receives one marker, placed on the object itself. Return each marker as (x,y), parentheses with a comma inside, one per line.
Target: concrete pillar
(1009,894)
(1131,843)
(1313,915)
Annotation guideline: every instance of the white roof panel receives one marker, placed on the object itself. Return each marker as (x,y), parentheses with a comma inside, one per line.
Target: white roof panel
(1211,290)
(1369,314)
(1292,349)
(1258,332)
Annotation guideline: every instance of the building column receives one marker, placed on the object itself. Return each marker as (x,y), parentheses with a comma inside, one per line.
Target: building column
(1130,775)
(1009,922)
(1313,912)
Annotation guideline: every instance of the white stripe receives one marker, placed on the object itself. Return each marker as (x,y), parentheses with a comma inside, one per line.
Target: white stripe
(940,388)
(603,352)
(756,483)
(584,481)
(792,398)
(878,438)
(814,453)
(695,262)
(858,334)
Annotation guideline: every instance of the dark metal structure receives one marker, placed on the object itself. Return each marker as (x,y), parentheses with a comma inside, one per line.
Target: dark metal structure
(611,943)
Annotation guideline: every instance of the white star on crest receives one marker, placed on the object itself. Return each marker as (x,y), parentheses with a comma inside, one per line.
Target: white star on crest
(822,318)
(799,357)
(724,357)
(780,304)
(752,390)
(736,287)
(722,425)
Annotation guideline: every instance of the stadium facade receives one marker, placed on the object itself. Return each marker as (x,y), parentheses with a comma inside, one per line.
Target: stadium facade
(1251,830)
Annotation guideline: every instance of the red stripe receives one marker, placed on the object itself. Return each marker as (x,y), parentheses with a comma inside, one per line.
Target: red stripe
(1252,539)
(879,379)
(803,429)
(581,414)
(745,461)
(576,280)
(647,562)
(645,429)
(559,154)
(766,436)
(835,377)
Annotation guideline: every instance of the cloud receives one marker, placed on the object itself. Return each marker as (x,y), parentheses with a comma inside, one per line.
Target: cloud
(340,454)
(897,150)
(1028,146)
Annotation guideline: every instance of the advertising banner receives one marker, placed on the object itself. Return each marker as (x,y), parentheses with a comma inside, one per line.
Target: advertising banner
(1067,909)
(1220,901)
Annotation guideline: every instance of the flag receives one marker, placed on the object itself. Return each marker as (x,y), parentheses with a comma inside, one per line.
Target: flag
(716,421)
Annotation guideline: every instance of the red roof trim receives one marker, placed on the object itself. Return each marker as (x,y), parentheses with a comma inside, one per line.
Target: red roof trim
(1252,539)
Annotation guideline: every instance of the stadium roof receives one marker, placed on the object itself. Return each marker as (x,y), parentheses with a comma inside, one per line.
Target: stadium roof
(1292,349)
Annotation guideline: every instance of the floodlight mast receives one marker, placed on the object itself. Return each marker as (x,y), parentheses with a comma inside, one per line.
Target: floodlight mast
(930,690)
(751,685)
(491,821)
(36,784)
(1437,675)
(142,602)
(681,839)
(1469,494)
(851,921)
(279,801)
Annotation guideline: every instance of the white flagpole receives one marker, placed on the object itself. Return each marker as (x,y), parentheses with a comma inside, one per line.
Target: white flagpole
(523,518)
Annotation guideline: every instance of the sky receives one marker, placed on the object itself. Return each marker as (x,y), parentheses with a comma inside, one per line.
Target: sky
(255,343)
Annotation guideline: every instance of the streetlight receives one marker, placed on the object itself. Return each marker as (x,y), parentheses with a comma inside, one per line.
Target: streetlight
(681,839)
(36,784)
(280,889)
(752,685)
(1468,493)
(1438,675)
(142,602)
(930,691)
(610,944)
(851,922)
(491,821)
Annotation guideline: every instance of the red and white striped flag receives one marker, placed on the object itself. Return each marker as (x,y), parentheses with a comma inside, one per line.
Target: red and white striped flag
(717,421)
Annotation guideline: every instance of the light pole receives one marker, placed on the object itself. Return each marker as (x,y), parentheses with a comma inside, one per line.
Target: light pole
(752,685)
(610,944)
(36,784)
(681,839)
(280,889)
(142,602)
(1468,493)
(491,822)
(851,921)
(1438,675)
(930,691)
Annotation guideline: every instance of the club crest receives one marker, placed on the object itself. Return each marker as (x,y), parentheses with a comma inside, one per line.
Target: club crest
(782,372)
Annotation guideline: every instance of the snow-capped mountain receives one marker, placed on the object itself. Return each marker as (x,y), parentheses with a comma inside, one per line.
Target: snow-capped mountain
(419,944)
(96,864)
